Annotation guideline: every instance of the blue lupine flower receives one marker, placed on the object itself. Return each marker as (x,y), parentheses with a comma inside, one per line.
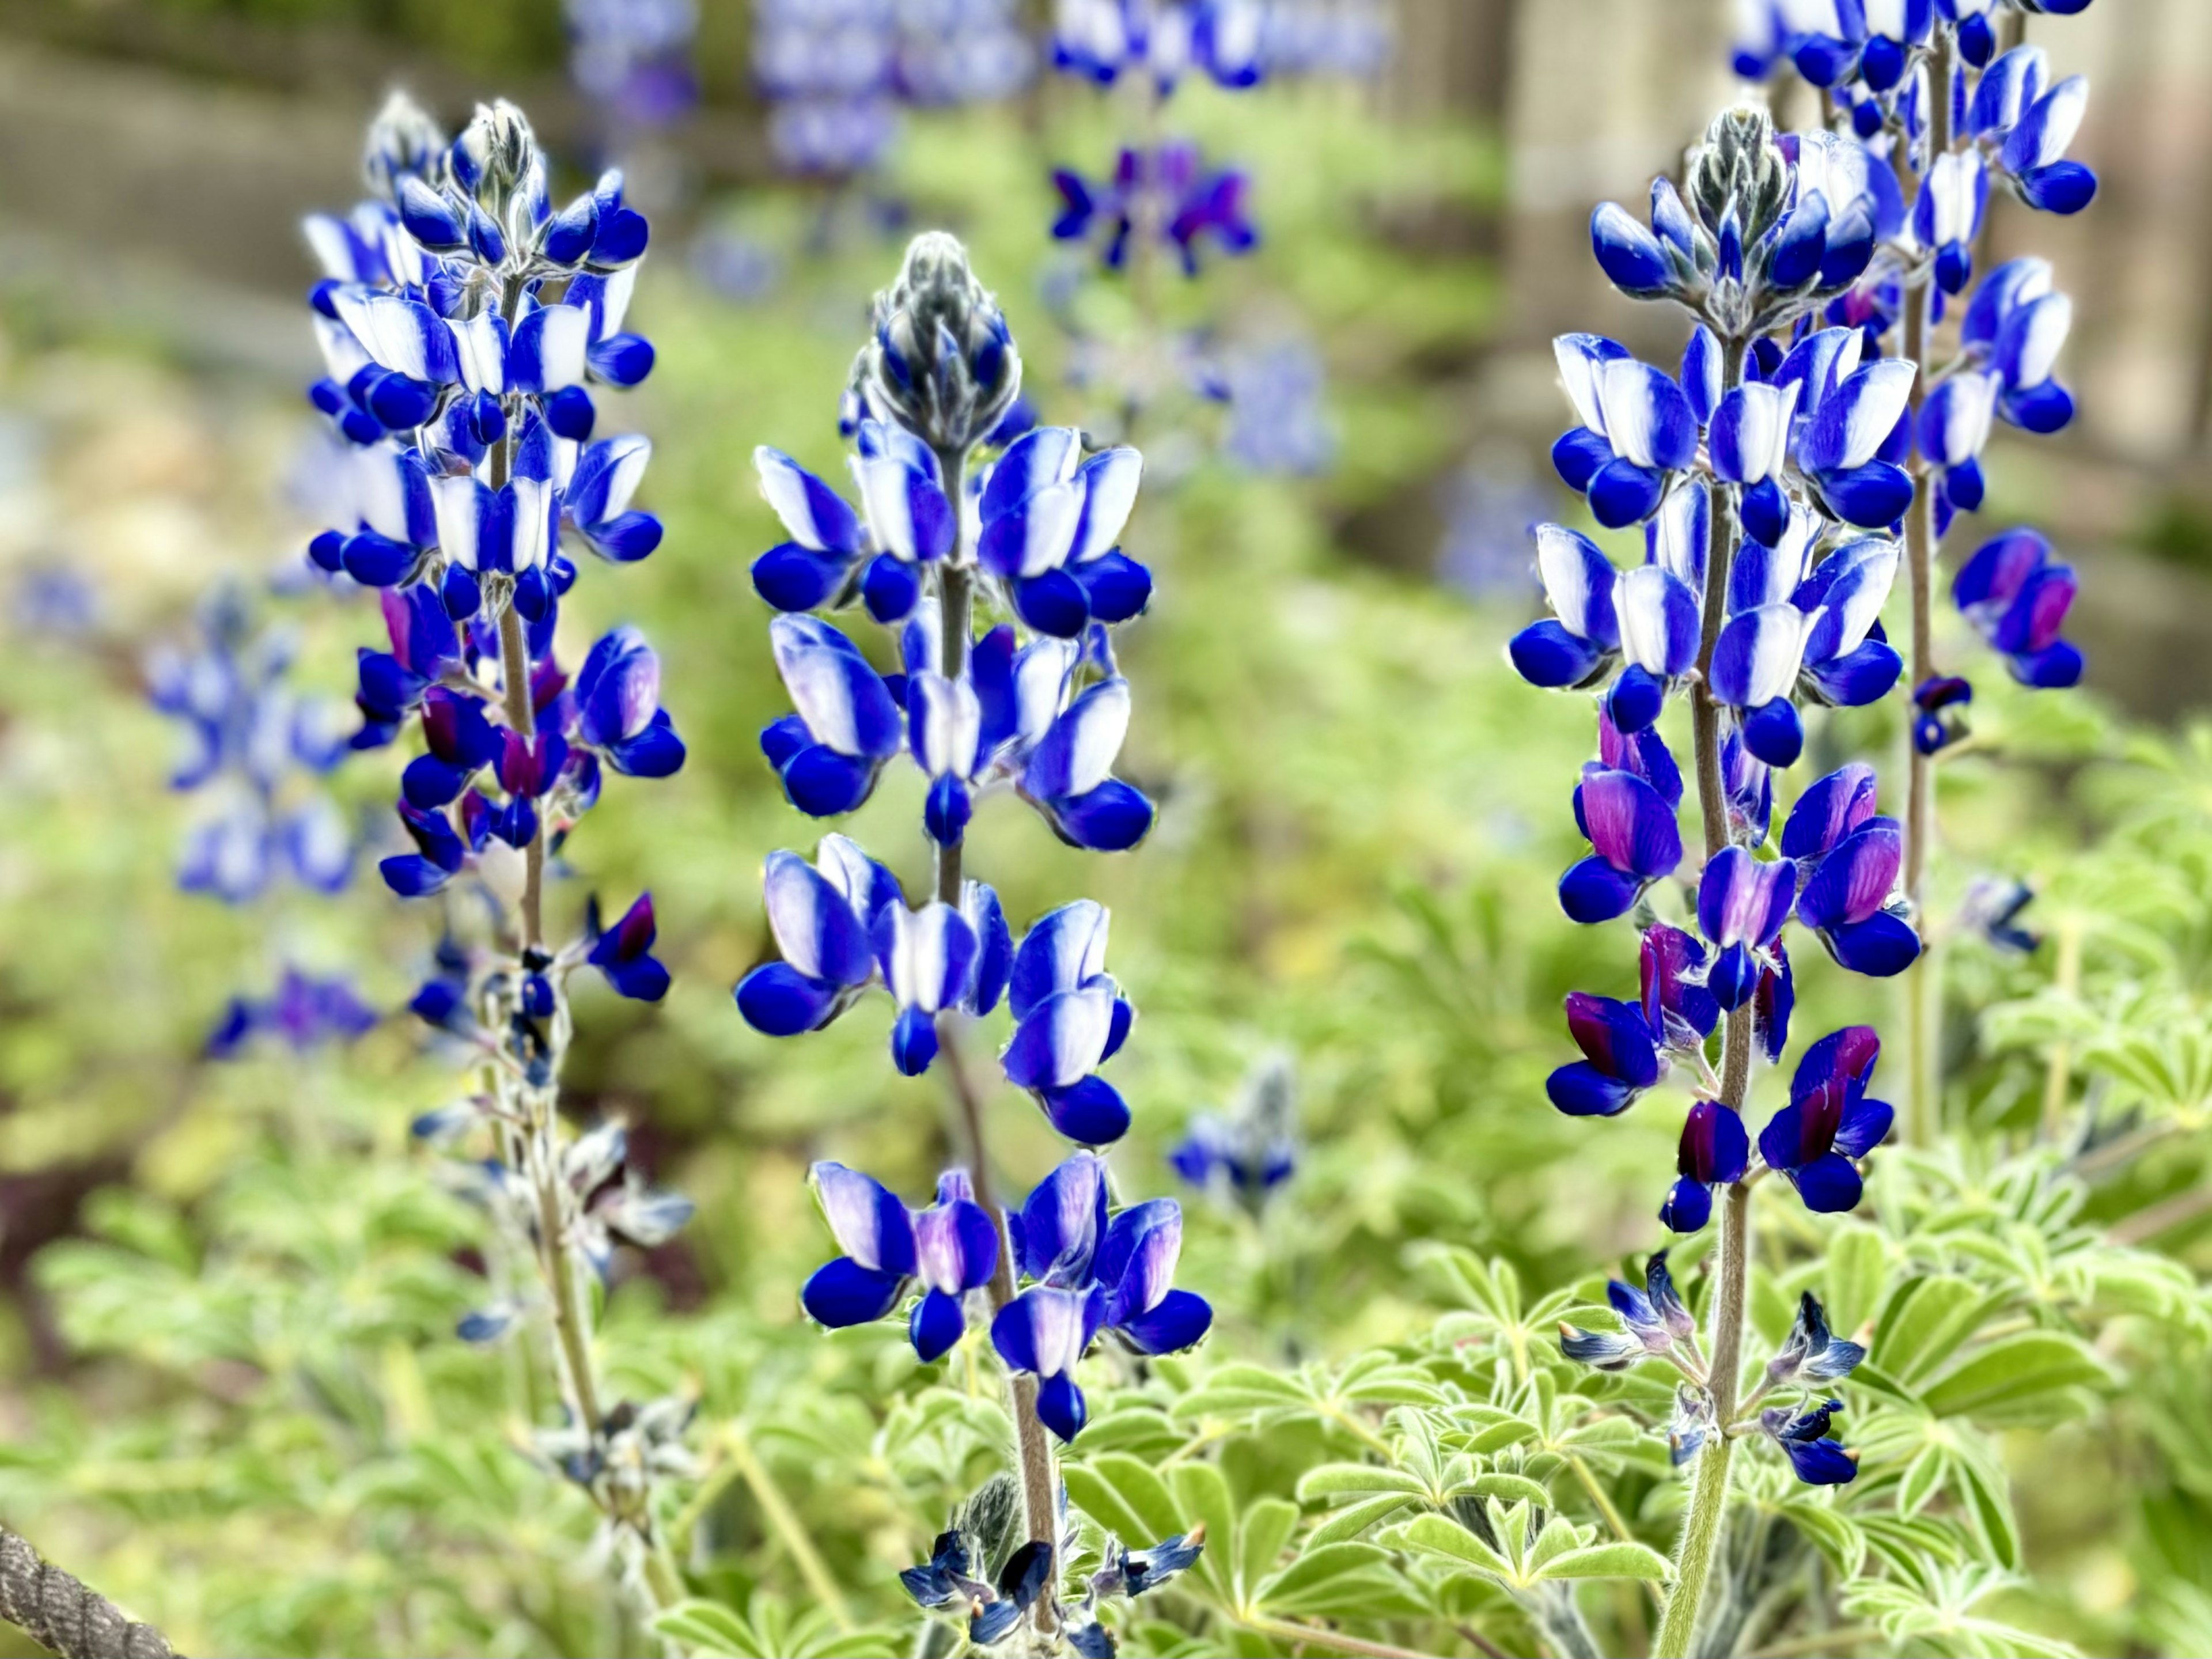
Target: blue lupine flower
(253,749)
(834,552)
(1051,524)
(2016,596)
(615,713)
(1638,426)
(1134,1572)
(1829,1123)
(1953,426)
(963,52)
(1742,903)
(425,648)
(1634,842)
(1992,910)
(1850,430)
(830,752)
(1622,1058)
(1748,783)
(1947,216)
(1939,712)
(1679,1010)
(1070,1018)
(827,69)
(623,952)
(2028,125)
(1119,1279)
(304,1012)
(1691,1424)
(1652,1319)
(1848,859)
(823,917)
(928,961)
(1026,1575)
(948,1249)
(1818,1461)
(1714,1151)
(947,1578)
(2014,328)
(614,1205)
(1168,189)
(1834,41)
(1068,775)
(1250,1151)
(1812,1352)
(487,844)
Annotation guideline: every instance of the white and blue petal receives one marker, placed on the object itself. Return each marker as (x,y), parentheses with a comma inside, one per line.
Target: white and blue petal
(1582,359)
(1647,419)
(814,923)
(1757,656)
(866,1218)
(813,515)
(1076,752)
(1578,580)
(1658,617)
(844,702)
(1064,949)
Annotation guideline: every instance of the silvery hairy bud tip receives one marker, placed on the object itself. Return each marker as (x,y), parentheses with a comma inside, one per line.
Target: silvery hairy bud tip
(1739,166)
(404,142)
(942,363)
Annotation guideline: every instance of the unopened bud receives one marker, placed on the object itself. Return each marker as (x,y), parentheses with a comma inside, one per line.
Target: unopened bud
(403,142)
(1739,166)
(942,363)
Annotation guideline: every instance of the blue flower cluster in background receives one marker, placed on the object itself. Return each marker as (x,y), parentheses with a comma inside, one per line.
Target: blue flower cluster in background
(254,751)
(633,58)
(836,72)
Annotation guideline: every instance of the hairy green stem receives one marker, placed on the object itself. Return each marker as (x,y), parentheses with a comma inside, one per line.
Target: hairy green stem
(1701,1527)
(1313,1636)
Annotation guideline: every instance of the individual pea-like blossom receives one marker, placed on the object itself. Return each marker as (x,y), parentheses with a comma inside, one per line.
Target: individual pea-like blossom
(1812,1352)
(1168,188)
(2016,596)
(253,750)
(1714,1151)
(1816,1459)
(2024,121)
(1116,1278)
(304,1012)
(1847,858)
(1627,810)
(1653,1321)
(1992,911)
(946,1250)
(1247,1152)
(1830,1124)
(1938,712)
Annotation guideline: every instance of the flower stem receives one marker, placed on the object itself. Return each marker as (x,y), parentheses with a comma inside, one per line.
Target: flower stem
(1033,1447)
(1313,1636)
(776,1509)
(1922,991)
(1702,1527)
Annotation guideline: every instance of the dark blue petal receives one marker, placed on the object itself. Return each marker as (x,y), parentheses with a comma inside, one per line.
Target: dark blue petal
(842,1292)
(1176,1322)
(1053,602)
(913,1041)
(1577,455)
(1061,1407)
(1636,699)
(2062,187)
(823,783)
(1688,1207)
(1622,493)
(1089,1113)
(1830,1184)
(1111,819)
(1774,733)
(1592,891)
(1116,586)
(935,1325)
(1544,654)
(792,578)
(1581,1090)
(778,1000)
(1872,496)
(1881,946)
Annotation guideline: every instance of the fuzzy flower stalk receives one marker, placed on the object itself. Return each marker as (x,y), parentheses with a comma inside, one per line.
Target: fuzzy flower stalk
(1765,474)
(1948,99)
(467,322)
(991,554)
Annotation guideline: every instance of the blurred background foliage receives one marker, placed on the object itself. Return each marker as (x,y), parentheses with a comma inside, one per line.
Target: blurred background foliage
(228,1392)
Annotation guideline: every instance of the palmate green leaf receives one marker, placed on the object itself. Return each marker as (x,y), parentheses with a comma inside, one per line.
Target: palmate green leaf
(1339,1581)
(2015,1377)
(1835,1534)
(1364,1479)
(1988,1501)
(1927,1474)
(1127,1496)
(1201,1494)
(1619,1560)
(1513,1488)
(1857,1272)
(1437,1535)
(708,1629)
(1262,1531)
(1235,1391)
(1351,1522)
(1925,1321)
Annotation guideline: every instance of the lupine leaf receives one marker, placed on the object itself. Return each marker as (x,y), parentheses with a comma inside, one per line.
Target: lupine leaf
(1202,1495)
(1447,1537)
(1337,1479)
(1263,1529)
(1127,1496)
(1835,1534)
(1351,1522)
(1619,1560)
(1925,1323)
(2010,1375)
(1339,1581)
(1513,1488)
(1859,1263)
